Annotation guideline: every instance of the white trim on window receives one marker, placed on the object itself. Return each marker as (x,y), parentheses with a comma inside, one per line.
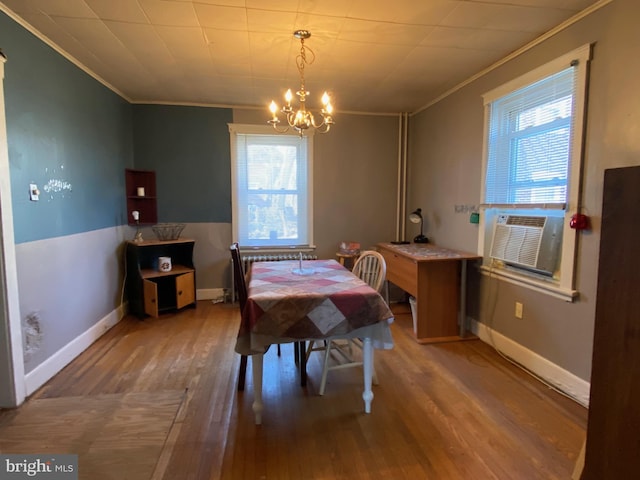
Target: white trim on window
(564,285)
(236,129)
(582,54)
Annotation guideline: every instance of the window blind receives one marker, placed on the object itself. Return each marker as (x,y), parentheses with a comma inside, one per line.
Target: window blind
(529,142)
(272,195)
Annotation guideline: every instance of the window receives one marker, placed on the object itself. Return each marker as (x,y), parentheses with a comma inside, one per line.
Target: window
(529,139)
(533,154)
(271,187)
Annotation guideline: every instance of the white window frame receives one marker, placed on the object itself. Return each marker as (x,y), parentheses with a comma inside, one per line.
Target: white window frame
(236,129)
(564,285)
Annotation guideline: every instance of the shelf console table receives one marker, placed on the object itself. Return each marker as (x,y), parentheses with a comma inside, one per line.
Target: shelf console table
(150,291)
(436,277)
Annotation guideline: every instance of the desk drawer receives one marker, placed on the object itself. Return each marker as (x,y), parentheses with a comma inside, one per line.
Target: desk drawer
(402,271)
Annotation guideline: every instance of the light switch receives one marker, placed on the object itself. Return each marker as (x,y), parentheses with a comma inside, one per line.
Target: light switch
(518,312)
(34,193)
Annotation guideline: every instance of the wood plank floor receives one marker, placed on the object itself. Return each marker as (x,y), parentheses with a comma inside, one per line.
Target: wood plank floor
(448,411)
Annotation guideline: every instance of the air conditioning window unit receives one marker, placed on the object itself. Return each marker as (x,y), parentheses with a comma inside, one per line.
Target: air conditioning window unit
(531,242)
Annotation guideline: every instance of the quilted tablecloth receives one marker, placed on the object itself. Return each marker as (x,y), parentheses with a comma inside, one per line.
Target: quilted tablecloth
(323,301)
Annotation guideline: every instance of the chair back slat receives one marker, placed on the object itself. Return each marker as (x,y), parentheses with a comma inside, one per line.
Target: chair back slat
(371,267)
(238,275)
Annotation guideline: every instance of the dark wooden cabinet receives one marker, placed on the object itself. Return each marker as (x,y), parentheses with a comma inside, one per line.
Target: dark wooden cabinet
(143,182)
(152,292)
(613,432)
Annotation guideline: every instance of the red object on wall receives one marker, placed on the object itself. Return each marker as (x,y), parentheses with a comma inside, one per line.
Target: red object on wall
(579,221)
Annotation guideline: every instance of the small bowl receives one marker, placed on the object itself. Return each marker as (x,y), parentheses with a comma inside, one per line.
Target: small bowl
(168,231)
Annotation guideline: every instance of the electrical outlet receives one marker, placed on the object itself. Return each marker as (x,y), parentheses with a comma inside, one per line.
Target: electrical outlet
(518,310)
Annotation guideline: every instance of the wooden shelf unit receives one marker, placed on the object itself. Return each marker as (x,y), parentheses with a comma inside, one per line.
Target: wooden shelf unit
(152,292)
(147,205)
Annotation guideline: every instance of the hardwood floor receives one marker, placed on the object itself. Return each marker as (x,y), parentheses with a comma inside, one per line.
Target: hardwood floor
(448,411)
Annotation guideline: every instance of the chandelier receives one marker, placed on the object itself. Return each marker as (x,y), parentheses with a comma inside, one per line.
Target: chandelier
(302,119)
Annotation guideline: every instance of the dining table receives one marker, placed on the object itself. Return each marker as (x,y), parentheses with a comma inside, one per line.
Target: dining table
(311,300)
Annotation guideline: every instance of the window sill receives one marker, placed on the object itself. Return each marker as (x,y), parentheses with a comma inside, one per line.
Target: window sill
(526,281)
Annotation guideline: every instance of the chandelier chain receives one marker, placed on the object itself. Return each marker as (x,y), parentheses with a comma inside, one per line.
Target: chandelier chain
(301,59)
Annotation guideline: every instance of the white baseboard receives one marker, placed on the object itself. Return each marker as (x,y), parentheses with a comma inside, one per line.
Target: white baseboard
(56,362)
(565,381)
(216,294)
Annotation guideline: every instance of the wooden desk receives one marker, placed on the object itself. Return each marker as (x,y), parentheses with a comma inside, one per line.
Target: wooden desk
(436,277)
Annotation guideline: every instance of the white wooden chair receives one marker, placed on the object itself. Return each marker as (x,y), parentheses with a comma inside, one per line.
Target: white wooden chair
(370,267)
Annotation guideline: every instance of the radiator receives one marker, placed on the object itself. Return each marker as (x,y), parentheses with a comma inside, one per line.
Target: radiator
(247,260)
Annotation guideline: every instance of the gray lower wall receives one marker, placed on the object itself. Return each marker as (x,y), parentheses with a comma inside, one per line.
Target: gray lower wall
(67,284)
(446,142)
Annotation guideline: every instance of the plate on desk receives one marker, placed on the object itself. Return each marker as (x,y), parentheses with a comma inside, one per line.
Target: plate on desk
(303,271)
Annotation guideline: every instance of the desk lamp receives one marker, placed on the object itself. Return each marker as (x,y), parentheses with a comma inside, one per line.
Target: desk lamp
(416,217)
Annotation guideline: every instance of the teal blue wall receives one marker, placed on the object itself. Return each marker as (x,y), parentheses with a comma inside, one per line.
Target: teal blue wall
(188,147)
(74,137)
(67,133)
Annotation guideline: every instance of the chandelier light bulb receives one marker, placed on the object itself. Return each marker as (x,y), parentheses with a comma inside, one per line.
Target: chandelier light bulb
(288,97)
(273,107)
(325,99)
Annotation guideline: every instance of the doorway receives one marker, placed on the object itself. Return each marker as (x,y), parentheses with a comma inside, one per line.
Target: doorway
(12,386)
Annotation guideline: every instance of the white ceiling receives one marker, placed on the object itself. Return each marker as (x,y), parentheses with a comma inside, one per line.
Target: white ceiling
(371,55)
